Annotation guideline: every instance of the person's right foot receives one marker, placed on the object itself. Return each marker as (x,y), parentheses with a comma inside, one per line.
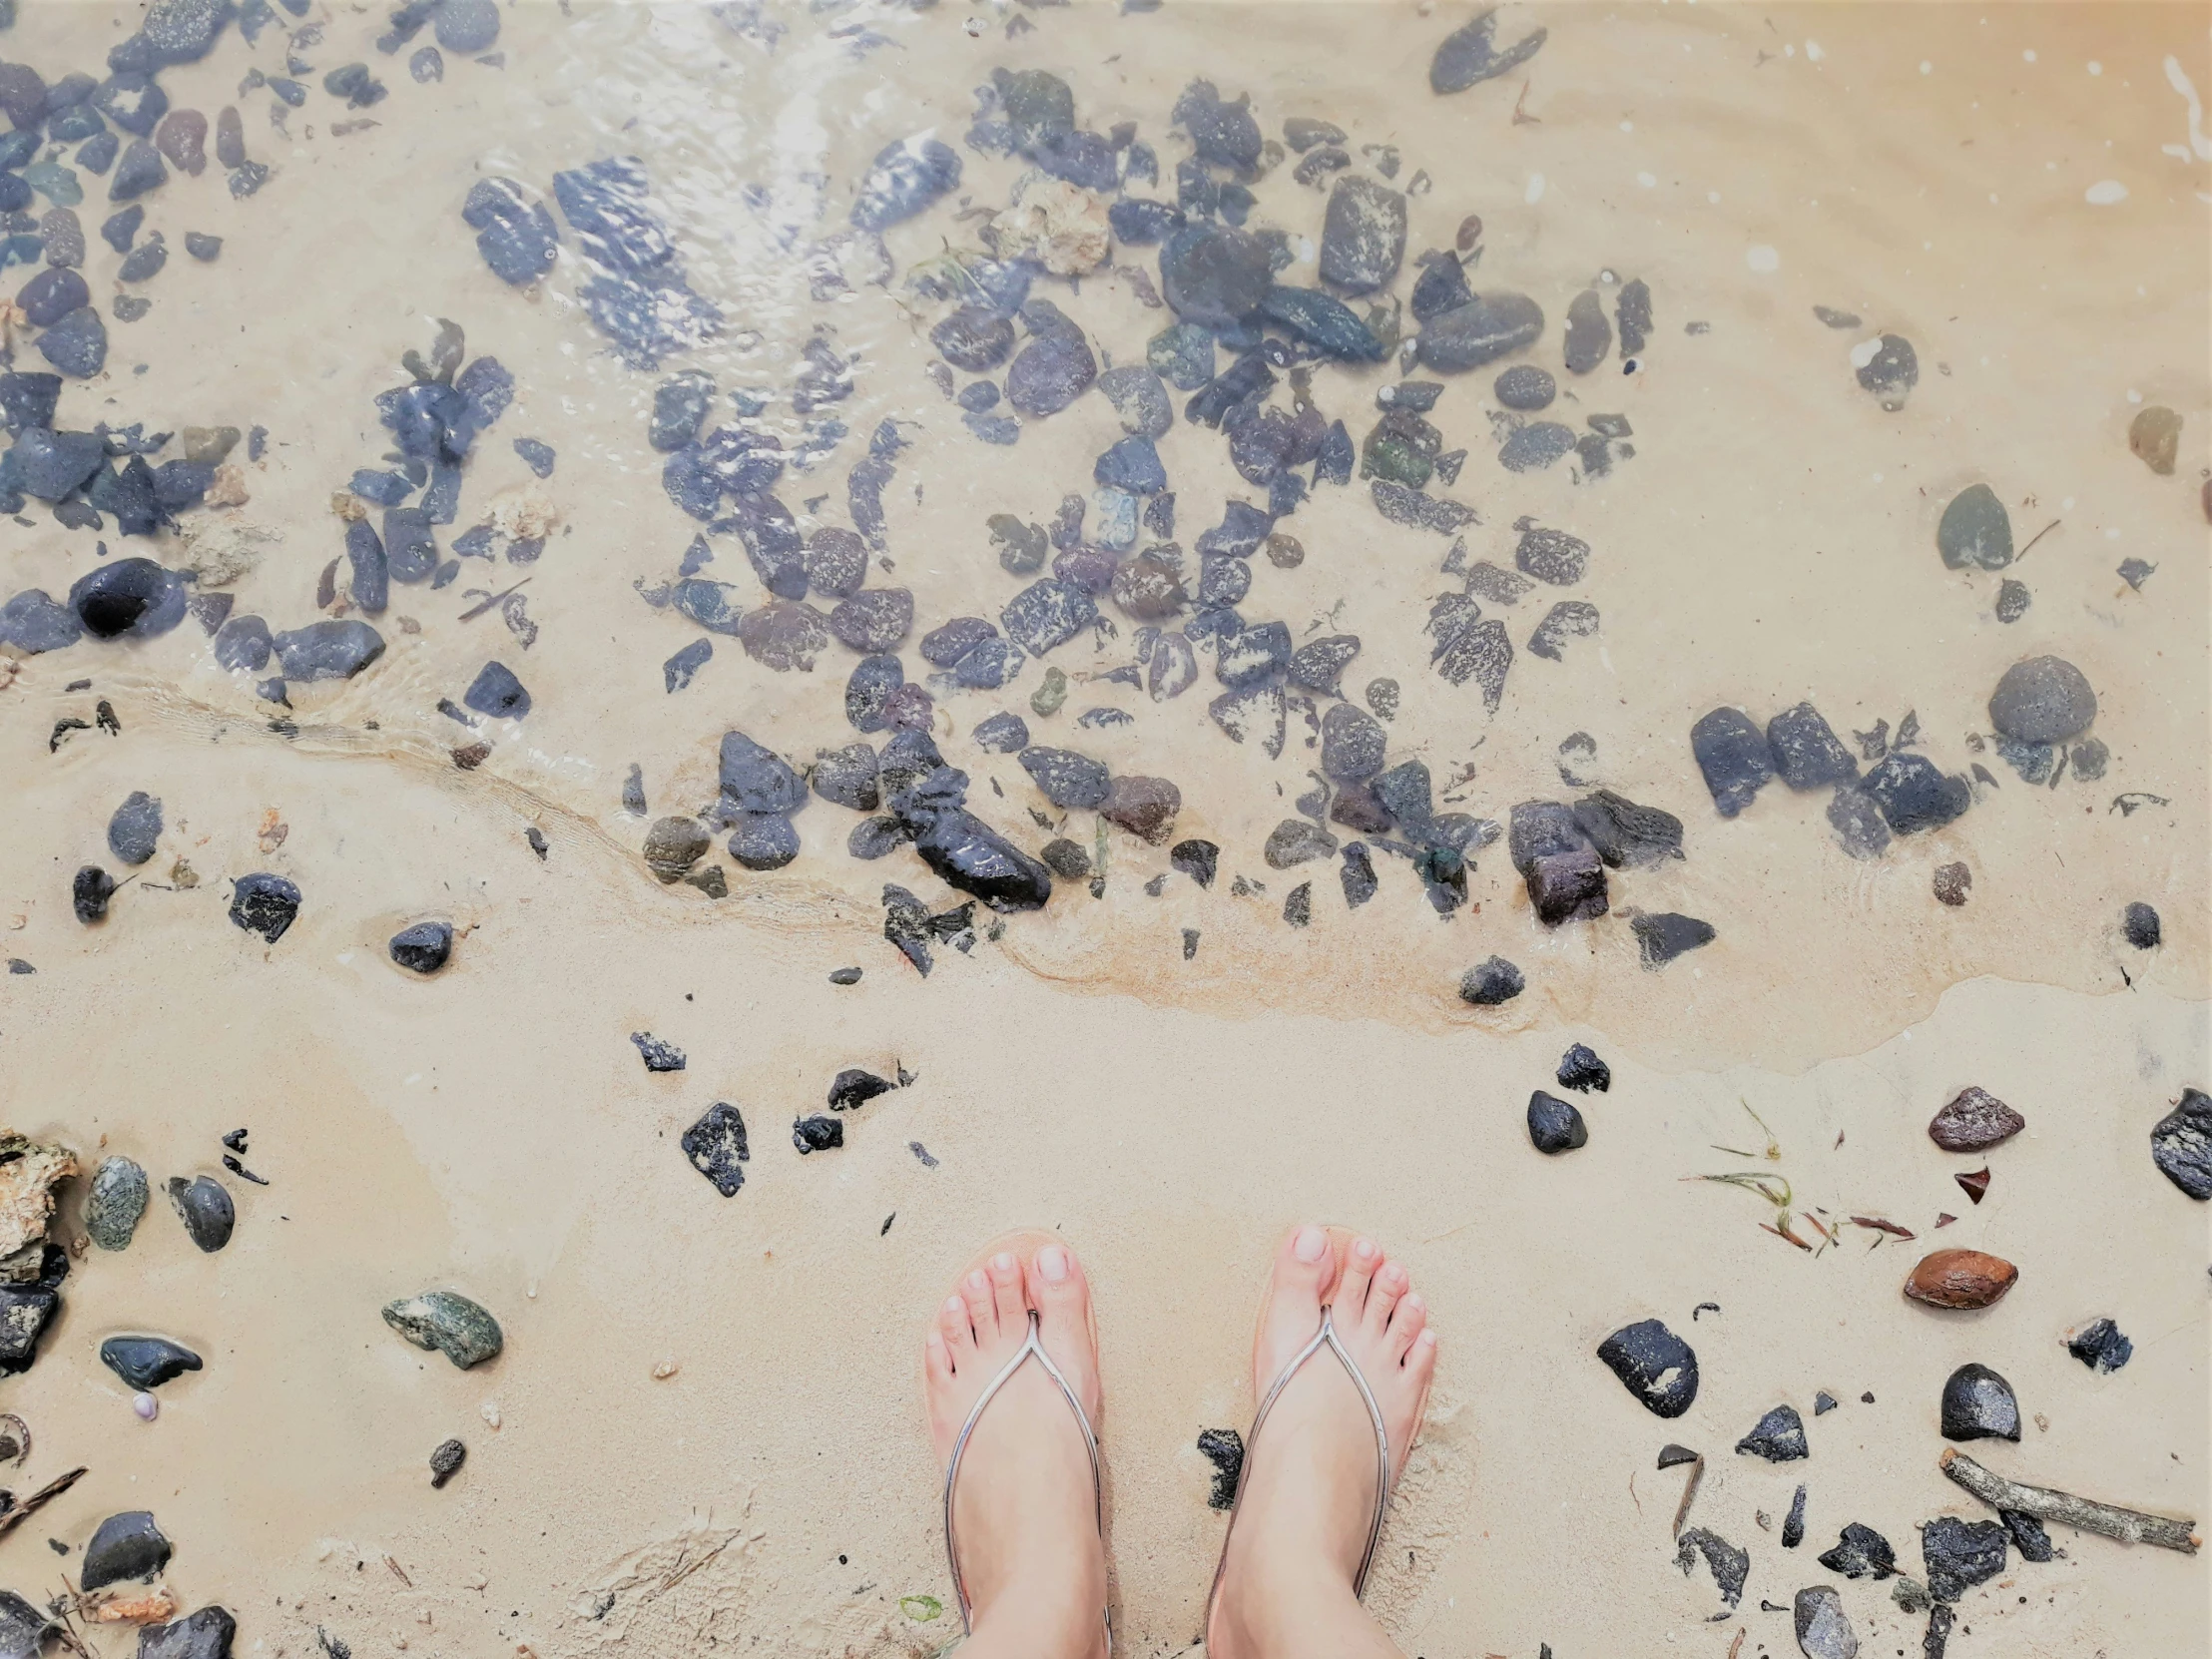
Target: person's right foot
(1308,1496)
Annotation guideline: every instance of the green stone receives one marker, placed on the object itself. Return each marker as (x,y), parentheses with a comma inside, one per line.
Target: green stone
(448,1322)
(1975,531)
(1048,696)
(115,1202)
(1388,456)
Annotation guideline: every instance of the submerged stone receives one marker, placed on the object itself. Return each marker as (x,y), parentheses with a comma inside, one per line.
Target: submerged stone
(1589,335)
(1654,1364)
(1806,750)
(2042,699)
(1490,983)
(1296,840)
(329,650)
(1733,755)
(1198,859)
(1363,238)
(762,841)
(1626,835)
(1663,935)
(1066,778)
(135,598)
(447,1322)
(135,830)
(1469,55)
(1890,371)
(1487,328)
(124,1546)
(1915,794)
(496,692)
(1975,531)
(903,180)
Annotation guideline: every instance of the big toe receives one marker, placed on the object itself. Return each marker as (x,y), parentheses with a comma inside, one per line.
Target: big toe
(1304,1269)
(1061,1296)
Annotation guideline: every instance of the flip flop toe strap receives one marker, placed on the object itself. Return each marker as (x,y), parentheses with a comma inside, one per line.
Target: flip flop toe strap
(1031,1348)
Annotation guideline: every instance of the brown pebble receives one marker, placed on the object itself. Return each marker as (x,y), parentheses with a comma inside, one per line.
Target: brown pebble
(1951,883)
(472,757)
(1144,807)
(230,138)
(1470,232)
(1944,1219)
(1974,1120)
(1961,1279)
(2155,436)
(1974,1184)
(183,137)
(1285,552)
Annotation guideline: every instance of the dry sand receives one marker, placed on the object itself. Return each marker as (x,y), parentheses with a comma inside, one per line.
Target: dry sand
(491,1130)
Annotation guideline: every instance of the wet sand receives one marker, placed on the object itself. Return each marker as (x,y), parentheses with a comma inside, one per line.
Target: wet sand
(1772,539)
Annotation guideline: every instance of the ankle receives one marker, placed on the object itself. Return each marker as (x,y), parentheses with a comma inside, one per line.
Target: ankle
(1044,1617)
(1276,1596)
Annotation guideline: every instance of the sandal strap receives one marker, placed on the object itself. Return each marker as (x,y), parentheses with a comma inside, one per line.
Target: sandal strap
(1326,1337)
(1031,1348)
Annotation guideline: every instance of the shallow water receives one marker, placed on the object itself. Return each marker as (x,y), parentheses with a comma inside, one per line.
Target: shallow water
(1942,176)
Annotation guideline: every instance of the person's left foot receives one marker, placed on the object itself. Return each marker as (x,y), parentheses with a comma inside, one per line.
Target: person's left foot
(1025,1509)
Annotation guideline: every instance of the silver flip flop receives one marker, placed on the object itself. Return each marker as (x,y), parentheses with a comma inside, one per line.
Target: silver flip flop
(1031,1348)
(1326,1337)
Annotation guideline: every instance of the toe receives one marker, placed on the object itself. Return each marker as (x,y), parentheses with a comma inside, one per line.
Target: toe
(1420,1360)
(1408,1320)
(982,1308)
(1361,1262)
(957,1330)
(1008,1304)
(1384,1291)
(936,1359)
(1304,1263)
(1061,1292)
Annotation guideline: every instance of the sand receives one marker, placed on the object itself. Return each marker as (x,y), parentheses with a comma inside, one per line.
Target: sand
(706,1430)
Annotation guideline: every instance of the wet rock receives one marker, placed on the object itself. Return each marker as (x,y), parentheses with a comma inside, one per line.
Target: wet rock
(1536,446)
(1733,755)
(2028,1536)
(1975,531)
(1001,733)
(967,853)
(1555,1124)
(2181,1143)
(1958,1554)
(1950,884)
(2155,437)
(975,339)
(467,26)
(46,299)
(88,893)
(114,1203)
(1198,859)
(820,1132)
(33,623)
(1222,133)
(1823,1628)
(518,240)
(756,780)
(329,650)
(496,692)
(763,840)
(447,1322)
(205,1634)
(1487,328)
(263,904)
(1915,794)
(1148,589)
(1492,982)
(423,947)
(1961,1279)
(1567,886)
(1352,744)
(1729,1565)
(1858,823)
(715,1146)
(1469,55)
(1357,874)
(1581,1068)
(135,828)
(1524,387)
(1363,238)
(1145,806)
(874,620)
(1589,335)
(1251,655)
(680,407)
(1666,934)
(2042,699)
(903,180)
(1552,556)
(1066,778)
(1806,750)
(1979,1405)
(1050,372)
(848,776)
(1140,401)
(1625,834)
(1184,354)
(657,1054)
(1779,1436)
(1891,369)
(1974,1121)
(674,845)
(133,598)
(1441,288)
(1214,277)
(124,1546)
(204,1207)
(1317,664)
(1793,1524)
(2140,927)
(1296,840)
(1570,619)
(869,692)
(1655,1365)
(1047,613)
(1861,1552)
(1066,859)
(147,1362)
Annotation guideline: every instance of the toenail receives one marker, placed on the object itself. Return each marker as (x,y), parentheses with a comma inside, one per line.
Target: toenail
(1414,1302)
(954,1305)
(1365,1249)
(1427,1338)
(1002,1263)
(1052,1262)
(1311,1245)
(976,1280)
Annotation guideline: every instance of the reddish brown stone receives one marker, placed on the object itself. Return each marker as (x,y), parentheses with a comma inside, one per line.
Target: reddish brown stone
(1143,806)
(1974,1120)
(1961,1279)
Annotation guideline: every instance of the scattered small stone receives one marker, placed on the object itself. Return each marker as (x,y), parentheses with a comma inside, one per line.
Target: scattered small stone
(1196,859)
(1490,983)
(1555,1126)
(203,1205)
(1729,1565)
(1961,1278)
(145,1363)
(445,1462)
(1734,756)
(1223,1448)
(2100,1346)
(449,1324)
(124,1546)
(658,1055)
(1663,935)
(2155,437)
(1888,368)
(263,904)
(2013,600)
(2181,1143)
(817,1134)
(1951,883)
(1779,1436)
(1806,750)
(1469,55)
(1589,335)
(1974,1121)
(1974,1185)
(2028,1536)
(115,1202)
(1915,794)
(2042,699)
(1823,1628)
(1975,531)
(1296,840)
(1654,1364)
(1979,1405)
(715,1146)
(423,947)
(1581,1068)
(1793,1524)
(2135,572)
(1958,1554)
(1861,1552)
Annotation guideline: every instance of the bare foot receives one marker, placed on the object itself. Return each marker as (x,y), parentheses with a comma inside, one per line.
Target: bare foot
(1308,1496)
(1024,1509)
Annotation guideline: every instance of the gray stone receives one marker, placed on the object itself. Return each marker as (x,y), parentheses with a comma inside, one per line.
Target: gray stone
(1486,329)
(907,176)
(2181,1143)
(1663,935)
(1251,655)
(1296,840)
(1363,238)
(763,840)
(1212,276)
(1733,755)
(1536,446)
(2140,926)
(1001,733)
(1066,778)
(1469,55)
(447,1322)
(2042,699)
(1823,1628)
(1589,335)
(135,828)
(1892,373)
(496,692)
(115,1202)
(975,339)
(1975,531)
(1861,1552)
(1779,1436)
(467,26)
(205,1634)
(1319,665)
(1806,750)
(329,650)
(1915,794)
(204,1207)
(1524,387)
(1352,744)
(1570,619)
(123,1547)
(1958,1554)
(1979,1405)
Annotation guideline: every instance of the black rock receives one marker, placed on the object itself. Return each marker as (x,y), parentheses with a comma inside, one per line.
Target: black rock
(756,780)
(1066,778)
(1581,1068)
(975,339)
(1634,311)
(88,893)
(2139,923)
(1823,1403)
(1779,1436)
(763,840)
(1567,886)
(147,1362)
(1223,1448)
(1251,655)
(1198,859)
(2100,1346)
(967,853)
(203,1206)
(1655,1365)
(124,1546)
(854,1088)
(48,298)
(1469,55)
(1352,744)
(680,407)
(423,947)
(1363,238)
(263,904)
(2181,1143)
(136,827)
(1892,373)
(329,650)
(1793,1524)
(77,344)
(849,777)
(1666,934)
(1001,733)
(1317,664)
(2042,699)
(1047,613)
(1213,276)
(1492,982)
(659,1055)
(1975,531)
(1733,756)
(715,1146)
(1958,1554)
(1858,823)
(1066,859)
(1570,619)
(1914,793)
(205,1634)
(1729,1565)
(1555,1124)
(1552,556)
(817,1134)
(128,597)
(24,1630)
(1589,335)
(1979,1405)
(1626,835)
(1487,328)
(1861,1552)
(2028,1536)
(496,692)
(1222,133)
(1806,750)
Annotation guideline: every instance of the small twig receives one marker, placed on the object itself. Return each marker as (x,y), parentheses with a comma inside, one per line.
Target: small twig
(2032,540)
(1522,117)
(397,1573)
(1880,1226)
(1689,1491)
(472,615)
(2130,1527)
(39,1499)
(1737,1646)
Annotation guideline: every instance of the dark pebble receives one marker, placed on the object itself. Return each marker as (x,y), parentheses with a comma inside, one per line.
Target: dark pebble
(1915,794)
(1046,614)
(329,650)
(1861,1552)
(1469,55)
(423,947)
(136,827)
(715,1146)
(1352,744)
(1581,1068)
(1666,934)
(1001,733)
(147,1362)
(1492,982)
(1363,238)
(1793,1524)
(1950,884)
(263,904)
(975,339)
(1555,1124)
(88,893)
(1893,371)
(1066,778)
(1294,840)
(674,845)
(1973,1121)
(1975,531)
(1145,806)
(1050,372)
(1536,446)
(1570,619)
(446,1461)
(2100,1346)
(203,1205)
(1487,328)
(658,1055)
(1525,387)
(496,692)
(1958,1554)
(134,597)
(124,1546)
(1589,335)
(2181,1143)
(817,1134)
(854,1088)
(1655,1365)
(1806,750)
(1198,860)
(1066,859)
(1779,1436)
(1733,755)
(1357,874)
(1223,1448)
(2042,699)
(1297,907)
(1567,886)
(1441,288)
(1626,835)
(2028,1536)
(1857,823)
(2140,925)
(763,840)
(1728,1564)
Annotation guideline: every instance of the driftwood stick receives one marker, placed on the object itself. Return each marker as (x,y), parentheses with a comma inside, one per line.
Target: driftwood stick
(39,1499)
(2130,1526)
